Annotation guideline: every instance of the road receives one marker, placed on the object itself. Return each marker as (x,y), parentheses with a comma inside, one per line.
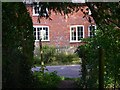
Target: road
(70,71)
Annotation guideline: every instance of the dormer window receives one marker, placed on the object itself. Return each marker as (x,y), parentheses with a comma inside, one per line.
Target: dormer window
(36,10)
(40,10)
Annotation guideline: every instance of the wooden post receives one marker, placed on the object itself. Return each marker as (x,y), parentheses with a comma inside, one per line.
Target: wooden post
(84,72)
(101,69)
(41,55)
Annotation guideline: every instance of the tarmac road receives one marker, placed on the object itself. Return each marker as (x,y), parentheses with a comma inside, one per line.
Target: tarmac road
(70,71)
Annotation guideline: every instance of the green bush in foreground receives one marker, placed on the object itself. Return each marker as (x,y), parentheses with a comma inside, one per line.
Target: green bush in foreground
(17,46)
(46,80)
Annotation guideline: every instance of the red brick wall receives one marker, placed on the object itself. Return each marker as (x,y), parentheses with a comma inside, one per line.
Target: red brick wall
(59,27)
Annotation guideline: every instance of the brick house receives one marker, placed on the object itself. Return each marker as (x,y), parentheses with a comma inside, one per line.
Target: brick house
(61,31)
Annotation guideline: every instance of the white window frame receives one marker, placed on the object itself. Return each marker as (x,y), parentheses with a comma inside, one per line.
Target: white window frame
(76,33)
(89,29)
(39,26)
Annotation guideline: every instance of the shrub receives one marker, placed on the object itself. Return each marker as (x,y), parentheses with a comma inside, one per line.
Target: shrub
(109,42)
(50,56)
(67,58)
(17,46)
(47,80)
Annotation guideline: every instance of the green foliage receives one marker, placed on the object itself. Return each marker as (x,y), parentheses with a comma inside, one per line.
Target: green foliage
(66,58)
(109,41)
(46,80)
(105,13)
(50,56)
(106,16)
(18,46)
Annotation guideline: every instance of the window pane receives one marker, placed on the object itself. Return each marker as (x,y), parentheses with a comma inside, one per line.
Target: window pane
(46,31)
(74,38)
(43,38)
(46,37)
(38,33)
(91,30)
(80,32)
(44,28)
(40,28)
(36,10)
(35,33)
(73,33)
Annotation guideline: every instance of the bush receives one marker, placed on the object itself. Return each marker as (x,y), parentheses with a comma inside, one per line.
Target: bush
(109,42)
(66,58)
(50,56)
(17,46)
(46,80)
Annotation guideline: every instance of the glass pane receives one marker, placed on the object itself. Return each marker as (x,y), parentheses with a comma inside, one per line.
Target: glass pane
(74,37)
(44,28)
(36,10)
(35,33)
(46,37)
(38,35)
(80,32)
(91,28)
(47,31)
(40,28)
(91,34)
(72,29)
(79,38)
(73,33)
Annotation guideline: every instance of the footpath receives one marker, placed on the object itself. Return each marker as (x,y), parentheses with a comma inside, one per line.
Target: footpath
(66,84)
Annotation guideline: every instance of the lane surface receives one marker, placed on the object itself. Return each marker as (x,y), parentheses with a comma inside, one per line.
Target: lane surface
(71,71)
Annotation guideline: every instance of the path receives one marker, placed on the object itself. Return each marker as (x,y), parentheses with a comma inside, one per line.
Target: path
(66,84)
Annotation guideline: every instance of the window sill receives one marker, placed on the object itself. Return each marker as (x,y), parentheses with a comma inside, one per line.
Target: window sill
(75,41)
(35,15)
(42,40)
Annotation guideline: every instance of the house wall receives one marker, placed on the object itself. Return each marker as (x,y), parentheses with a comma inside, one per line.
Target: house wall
(59,28)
